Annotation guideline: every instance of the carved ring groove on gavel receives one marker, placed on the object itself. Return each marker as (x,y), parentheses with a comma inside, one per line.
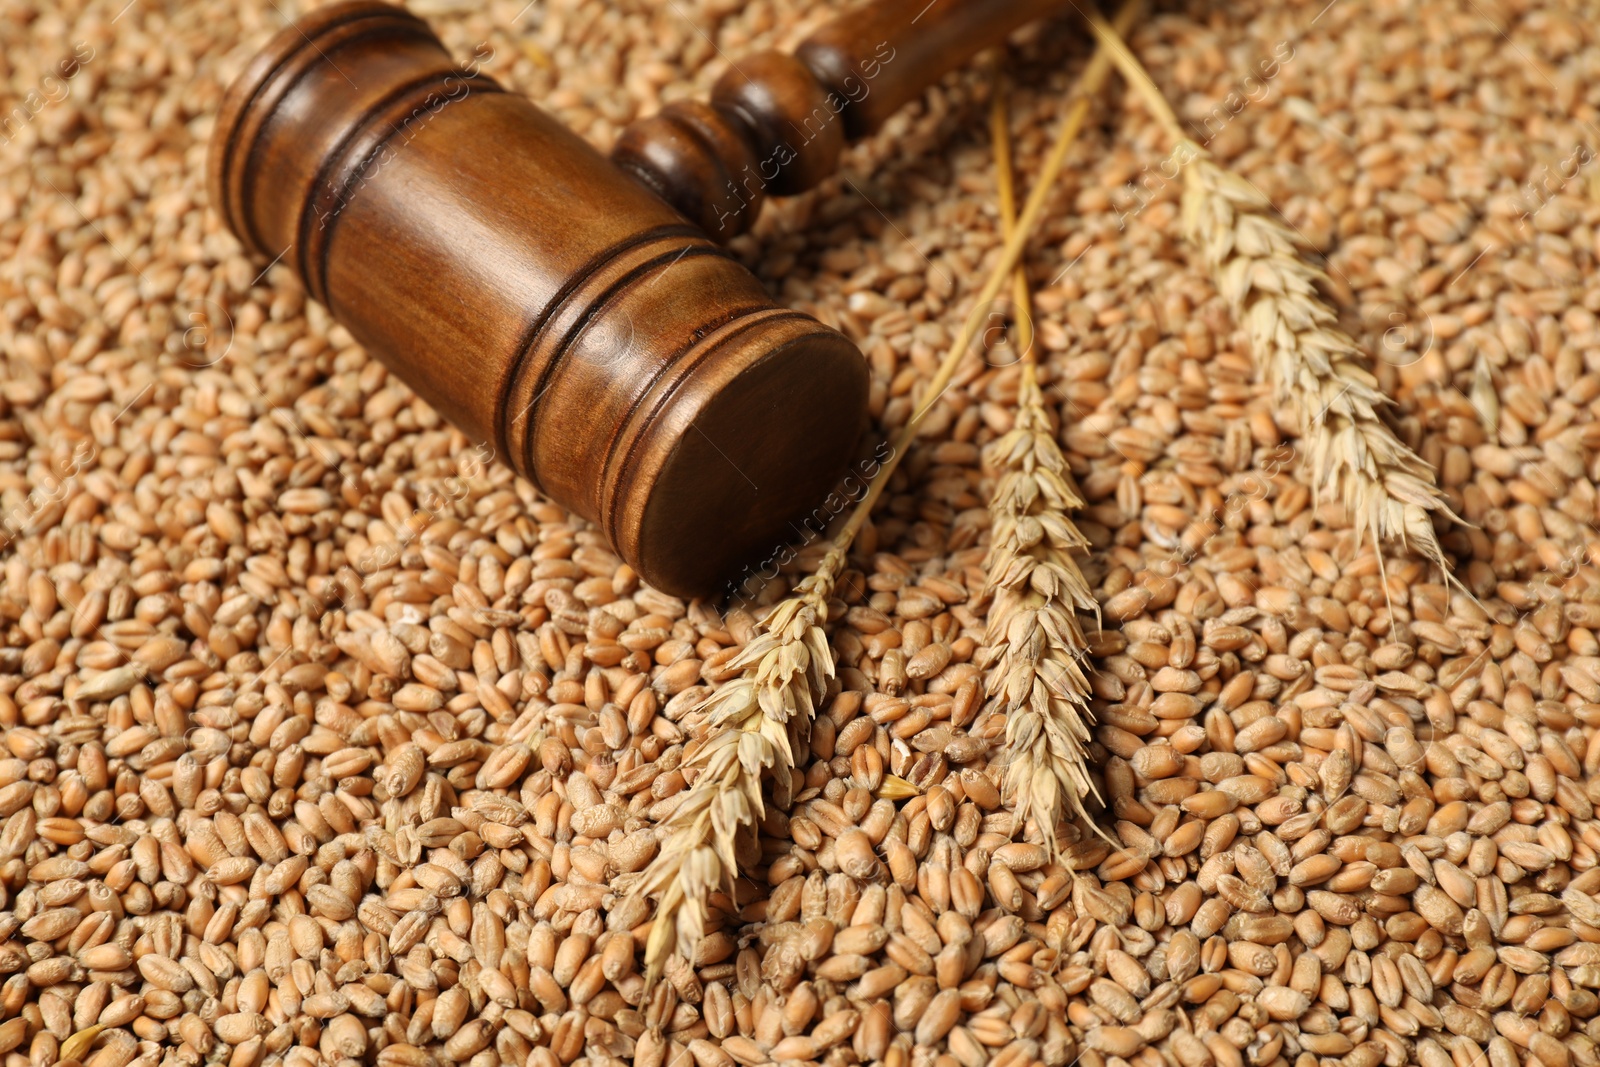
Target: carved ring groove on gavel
(579,314)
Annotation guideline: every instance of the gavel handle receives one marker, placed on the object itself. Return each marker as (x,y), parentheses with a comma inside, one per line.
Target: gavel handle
(777,123)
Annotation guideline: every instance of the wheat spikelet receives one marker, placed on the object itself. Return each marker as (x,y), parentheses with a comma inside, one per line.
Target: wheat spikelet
(758,723)
(1039,679)
(1258,265)
(1313,366)
(1038,589)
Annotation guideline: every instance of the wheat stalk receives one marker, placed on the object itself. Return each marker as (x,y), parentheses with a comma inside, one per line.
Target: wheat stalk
(758,720)
(1258,265)
(1039,679)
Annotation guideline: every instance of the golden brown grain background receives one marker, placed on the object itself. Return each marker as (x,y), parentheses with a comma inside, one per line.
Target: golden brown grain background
(327,743)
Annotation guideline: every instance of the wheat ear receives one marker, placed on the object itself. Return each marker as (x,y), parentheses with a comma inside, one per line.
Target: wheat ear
(758,719)
(1258,264)
(1037,590)
(756,723)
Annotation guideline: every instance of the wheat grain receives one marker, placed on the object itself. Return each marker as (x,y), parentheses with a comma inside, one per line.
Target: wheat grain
(1409,791)
(1258,265)
(1035,585)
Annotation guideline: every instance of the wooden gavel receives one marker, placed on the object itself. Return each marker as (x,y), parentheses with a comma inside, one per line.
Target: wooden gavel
(579,314)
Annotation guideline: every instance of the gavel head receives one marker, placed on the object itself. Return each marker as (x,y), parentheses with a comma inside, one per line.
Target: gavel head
(538,296)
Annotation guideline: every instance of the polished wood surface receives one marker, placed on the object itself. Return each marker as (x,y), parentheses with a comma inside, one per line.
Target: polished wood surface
(776,124)
(539,298)
(573,311)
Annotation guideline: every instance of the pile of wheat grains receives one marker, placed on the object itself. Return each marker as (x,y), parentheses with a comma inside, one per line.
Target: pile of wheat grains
(326,743)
